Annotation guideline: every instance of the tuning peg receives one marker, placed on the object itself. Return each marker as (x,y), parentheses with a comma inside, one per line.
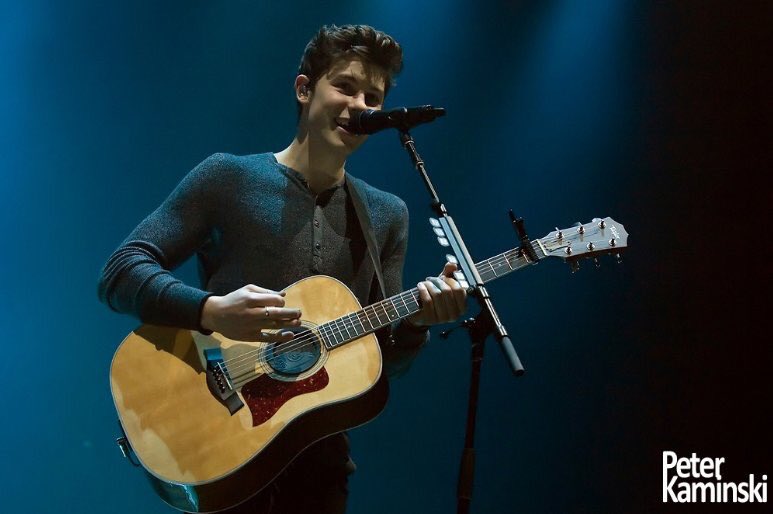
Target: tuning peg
(451,258)
(574,266)
(596,262)
(580,228)
(434,222)
(443,241)
(618,258)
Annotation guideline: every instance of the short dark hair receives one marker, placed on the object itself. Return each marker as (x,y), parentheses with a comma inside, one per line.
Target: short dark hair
(332,43)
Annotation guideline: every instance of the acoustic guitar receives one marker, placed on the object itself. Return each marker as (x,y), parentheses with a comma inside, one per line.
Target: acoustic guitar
(213,420)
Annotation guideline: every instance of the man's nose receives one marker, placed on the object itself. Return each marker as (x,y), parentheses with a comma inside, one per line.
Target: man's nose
(358,102)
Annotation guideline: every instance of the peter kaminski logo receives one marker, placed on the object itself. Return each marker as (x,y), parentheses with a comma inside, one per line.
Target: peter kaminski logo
(699,480)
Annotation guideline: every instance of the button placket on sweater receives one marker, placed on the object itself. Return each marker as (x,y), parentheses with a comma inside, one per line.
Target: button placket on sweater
(316,239)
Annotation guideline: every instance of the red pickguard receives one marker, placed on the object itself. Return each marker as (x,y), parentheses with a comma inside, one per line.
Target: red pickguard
(265,395)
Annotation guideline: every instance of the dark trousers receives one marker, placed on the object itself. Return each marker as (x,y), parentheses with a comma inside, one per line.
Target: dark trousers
(314,483)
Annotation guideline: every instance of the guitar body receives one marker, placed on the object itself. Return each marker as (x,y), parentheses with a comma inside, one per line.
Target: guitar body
(199,455)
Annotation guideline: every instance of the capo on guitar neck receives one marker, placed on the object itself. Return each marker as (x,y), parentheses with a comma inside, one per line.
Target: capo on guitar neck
(526,249)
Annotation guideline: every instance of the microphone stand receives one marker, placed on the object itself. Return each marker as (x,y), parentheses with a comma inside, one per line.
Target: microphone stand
(484,324)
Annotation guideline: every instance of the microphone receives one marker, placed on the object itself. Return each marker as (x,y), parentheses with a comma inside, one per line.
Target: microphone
(402,118)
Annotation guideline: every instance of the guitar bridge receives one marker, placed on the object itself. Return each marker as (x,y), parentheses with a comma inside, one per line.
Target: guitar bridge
(219,381)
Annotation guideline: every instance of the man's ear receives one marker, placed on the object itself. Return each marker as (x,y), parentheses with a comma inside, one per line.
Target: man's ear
(302,89)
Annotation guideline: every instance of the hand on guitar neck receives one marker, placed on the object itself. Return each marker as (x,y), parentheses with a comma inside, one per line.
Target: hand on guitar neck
(442,299)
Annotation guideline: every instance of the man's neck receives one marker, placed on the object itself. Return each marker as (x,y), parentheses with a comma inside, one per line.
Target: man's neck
(321,169)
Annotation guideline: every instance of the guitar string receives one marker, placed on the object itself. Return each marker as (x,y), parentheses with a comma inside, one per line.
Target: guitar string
(335,325)
(246,375)
(327,332)
(244,372)
(308,336)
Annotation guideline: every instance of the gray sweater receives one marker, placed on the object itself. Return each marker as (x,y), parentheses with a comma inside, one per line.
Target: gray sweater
(252,220)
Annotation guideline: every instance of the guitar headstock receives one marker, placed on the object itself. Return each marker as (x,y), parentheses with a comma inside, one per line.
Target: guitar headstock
(591,240)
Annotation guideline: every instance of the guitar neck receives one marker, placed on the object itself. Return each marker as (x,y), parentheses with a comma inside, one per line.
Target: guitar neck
(347,328)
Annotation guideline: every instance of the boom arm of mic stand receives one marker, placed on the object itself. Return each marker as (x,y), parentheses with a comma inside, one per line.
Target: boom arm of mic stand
(465,260)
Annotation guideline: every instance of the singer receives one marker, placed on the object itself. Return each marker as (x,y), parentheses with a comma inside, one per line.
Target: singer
(258,223)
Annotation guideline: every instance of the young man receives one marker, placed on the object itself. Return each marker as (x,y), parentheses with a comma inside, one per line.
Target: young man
(259,223)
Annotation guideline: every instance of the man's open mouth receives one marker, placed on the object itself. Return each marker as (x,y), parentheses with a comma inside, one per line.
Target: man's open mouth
(344,124)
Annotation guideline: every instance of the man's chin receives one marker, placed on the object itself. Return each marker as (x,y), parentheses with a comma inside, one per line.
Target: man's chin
(348,140)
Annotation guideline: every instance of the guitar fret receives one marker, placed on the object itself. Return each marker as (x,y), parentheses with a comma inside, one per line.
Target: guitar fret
(356,319)
(336,334)
(407,310)
(324,334)
(356,316)
(368,320)
(340,330)
(331,332)
(371,315)
(507,260)
(394,306)
(523,261)
(415,298)
(325,337)
(373,308)
(383,306)
(343,322)
(352,318)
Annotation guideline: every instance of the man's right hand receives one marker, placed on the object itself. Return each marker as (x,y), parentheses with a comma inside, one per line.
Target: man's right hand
(243,314)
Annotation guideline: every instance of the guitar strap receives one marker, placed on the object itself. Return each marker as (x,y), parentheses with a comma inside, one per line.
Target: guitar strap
(356,194)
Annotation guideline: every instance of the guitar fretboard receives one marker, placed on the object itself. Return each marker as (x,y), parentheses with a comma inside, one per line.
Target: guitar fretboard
(347,328)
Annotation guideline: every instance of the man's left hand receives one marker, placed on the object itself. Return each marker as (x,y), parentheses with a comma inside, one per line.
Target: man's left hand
(442,299)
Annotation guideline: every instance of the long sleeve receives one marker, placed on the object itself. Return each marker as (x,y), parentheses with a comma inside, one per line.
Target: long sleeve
(136,278)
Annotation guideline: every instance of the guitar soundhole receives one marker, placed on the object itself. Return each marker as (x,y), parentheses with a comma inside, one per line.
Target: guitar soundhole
(297,355)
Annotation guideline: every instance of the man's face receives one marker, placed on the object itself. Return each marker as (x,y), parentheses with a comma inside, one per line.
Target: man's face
(347,88)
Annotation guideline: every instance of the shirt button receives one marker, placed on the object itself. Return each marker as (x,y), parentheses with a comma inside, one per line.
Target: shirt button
(316,223)
(317,246)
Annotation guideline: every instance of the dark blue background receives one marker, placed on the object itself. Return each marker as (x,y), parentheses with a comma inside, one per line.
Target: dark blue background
(562,110)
